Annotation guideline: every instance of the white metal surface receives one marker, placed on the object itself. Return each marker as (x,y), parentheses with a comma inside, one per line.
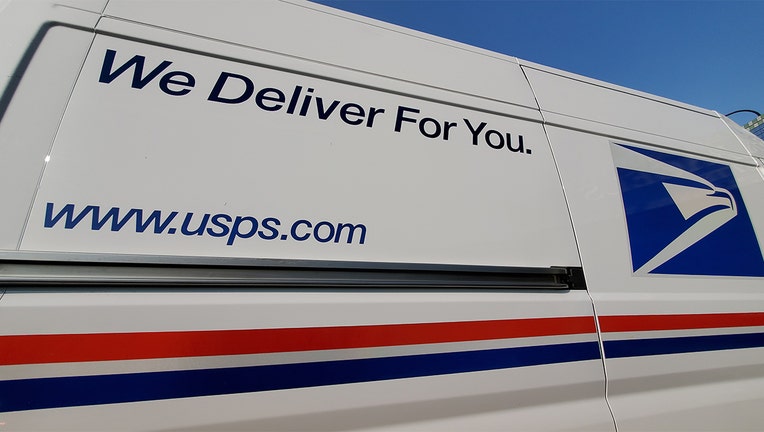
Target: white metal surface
(346,40)
(227,135)
(484,400)
(751,142)
(42,55)
(597,104)
(421,181)
(20,22)
(674,365)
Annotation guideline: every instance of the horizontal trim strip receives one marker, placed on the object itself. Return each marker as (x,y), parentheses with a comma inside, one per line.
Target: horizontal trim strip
(29,394)
(304,274)
(84,258)
(113,367)
(677,345)
(26,349)
(627,323)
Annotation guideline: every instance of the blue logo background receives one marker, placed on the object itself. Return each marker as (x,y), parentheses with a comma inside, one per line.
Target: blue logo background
(654,221)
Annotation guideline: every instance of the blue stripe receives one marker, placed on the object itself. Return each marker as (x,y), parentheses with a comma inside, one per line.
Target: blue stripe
(676,345)
(39,393)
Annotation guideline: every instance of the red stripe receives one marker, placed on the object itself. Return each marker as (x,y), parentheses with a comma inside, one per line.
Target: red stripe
(624,323)
(31,349)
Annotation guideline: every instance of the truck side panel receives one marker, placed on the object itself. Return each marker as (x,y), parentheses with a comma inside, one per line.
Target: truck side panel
(670,242)
(316,359)
(225,235)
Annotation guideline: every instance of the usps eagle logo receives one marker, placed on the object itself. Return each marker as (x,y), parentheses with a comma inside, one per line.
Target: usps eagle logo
(685,216)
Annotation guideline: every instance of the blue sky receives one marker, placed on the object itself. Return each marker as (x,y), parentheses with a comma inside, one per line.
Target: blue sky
(706,53)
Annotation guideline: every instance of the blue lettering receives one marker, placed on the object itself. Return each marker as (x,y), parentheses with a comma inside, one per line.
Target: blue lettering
(187,81)
(294,230)
(249,88)
(67,211)
(200,230)
(154,218)
(316,231)
(264,96)
(224,229)
(351,230)
(107,76)
(269,224)
(400,118)
(219,225)
(235,229)
(113,215)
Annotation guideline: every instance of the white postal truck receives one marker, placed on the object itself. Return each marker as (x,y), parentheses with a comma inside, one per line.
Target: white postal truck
(273,215)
